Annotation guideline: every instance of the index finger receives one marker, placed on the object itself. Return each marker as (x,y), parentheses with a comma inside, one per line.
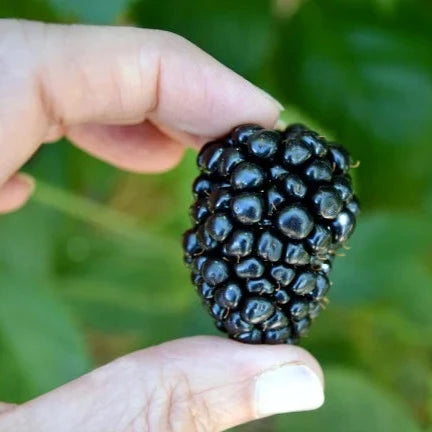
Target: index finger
(60,76)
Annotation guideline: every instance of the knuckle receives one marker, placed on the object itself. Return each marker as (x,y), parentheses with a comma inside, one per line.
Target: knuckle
(173,41)
(21,49)
(173,407)
(172,37)
(186,411)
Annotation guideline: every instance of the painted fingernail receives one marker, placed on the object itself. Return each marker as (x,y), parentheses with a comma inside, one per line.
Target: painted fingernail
(288,388)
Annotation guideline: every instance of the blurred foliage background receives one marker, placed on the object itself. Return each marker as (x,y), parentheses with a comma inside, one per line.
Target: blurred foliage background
(91,268)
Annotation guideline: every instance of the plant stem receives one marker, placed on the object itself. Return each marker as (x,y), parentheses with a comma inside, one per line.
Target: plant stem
(109,219)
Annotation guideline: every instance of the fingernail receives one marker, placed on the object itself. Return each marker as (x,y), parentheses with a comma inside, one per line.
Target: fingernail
(269,96)
(27,179)
(281,124)
(288,388)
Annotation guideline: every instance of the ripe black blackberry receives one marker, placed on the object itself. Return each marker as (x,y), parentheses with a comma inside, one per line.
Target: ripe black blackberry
(271,209)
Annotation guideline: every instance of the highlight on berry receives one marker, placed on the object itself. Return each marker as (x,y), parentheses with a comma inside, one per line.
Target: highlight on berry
(271,210)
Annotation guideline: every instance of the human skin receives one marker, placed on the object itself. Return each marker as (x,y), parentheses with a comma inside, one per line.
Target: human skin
(136,98)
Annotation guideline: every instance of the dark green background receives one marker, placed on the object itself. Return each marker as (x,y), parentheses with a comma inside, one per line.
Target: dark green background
(89,270)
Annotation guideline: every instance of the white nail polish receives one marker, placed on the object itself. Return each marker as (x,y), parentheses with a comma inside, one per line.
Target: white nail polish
(288,388)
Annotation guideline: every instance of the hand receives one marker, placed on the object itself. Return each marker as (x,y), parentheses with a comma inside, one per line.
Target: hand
(135,98)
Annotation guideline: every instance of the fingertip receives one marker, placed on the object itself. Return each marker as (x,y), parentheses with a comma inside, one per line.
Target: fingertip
(260,354)
(210,99)
(259,380)
(212,382)
(267,110)
(16,192)
(305,357)
(282,378)
(286,388)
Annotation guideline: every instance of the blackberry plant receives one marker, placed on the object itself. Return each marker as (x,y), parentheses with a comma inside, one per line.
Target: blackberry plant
(271,209)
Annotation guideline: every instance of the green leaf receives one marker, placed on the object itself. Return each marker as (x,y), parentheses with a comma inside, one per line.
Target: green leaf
(361,69)
(366,78)
(429,403)
(292,114)
(388,264)
(237,33)
(125,286)
(127,306)
(28,9)
(134,281)
(68,167)
(95,12)
(170,194)
(28,239)
(353,404)
(41,345)
(90,211)
(38,338)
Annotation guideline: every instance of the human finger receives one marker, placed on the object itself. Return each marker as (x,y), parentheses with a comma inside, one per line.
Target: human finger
(201,383)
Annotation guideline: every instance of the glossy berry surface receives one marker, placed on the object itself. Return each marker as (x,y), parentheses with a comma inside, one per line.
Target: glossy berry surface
(271,209)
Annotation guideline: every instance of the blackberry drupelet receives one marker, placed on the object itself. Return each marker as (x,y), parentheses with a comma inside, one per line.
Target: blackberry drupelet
(271,209)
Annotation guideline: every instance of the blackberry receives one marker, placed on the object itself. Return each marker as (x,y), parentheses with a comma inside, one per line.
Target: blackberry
(271,209)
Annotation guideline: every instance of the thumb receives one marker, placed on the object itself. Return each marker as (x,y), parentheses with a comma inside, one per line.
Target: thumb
(195,384)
